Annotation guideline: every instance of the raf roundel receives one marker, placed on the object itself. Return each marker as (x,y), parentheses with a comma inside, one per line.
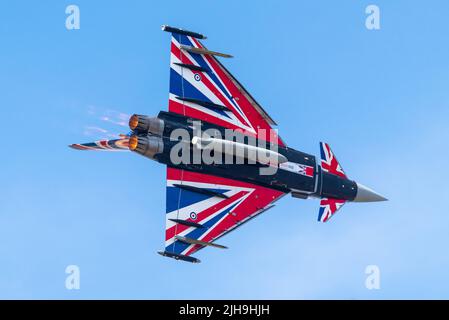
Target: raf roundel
(197,77)
(193,215)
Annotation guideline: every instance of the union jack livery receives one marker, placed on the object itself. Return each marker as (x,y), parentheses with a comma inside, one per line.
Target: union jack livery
(201,88)
(197,218)
(328,161)
(207,199)
(328,207)
(303,169)
(105,145)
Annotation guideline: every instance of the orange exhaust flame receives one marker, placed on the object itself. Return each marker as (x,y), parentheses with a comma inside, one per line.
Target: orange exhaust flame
(133,141)
(133,122)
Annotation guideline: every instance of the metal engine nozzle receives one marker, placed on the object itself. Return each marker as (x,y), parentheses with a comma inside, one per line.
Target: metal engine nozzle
(147,146)
(144,124)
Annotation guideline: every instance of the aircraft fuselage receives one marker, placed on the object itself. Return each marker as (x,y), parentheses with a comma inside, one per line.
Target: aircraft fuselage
(301,174)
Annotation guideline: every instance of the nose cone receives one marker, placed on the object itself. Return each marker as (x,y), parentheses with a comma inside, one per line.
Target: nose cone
(365,194)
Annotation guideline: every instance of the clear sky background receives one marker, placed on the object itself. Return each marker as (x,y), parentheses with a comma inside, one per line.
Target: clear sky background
(380,98)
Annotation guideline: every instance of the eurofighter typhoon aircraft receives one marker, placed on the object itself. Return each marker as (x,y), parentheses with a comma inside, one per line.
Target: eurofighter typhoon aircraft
(207,199)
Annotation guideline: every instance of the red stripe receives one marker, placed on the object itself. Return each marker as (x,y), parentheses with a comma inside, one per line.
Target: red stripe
(104,143)
(80,147)
(176,107)
(196,42)
(309,171)
(332,169)
(177,174)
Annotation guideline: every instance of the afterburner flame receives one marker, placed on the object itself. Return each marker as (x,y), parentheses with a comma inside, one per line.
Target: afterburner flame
(133,141)
(133,122)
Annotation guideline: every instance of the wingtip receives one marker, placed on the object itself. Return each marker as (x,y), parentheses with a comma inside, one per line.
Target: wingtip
(197,35)
(77,146)
(179,257)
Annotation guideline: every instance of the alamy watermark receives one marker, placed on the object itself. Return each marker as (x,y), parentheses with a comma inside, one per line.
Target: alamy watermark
(372,281)
(211,147)
(72,22)
(72,281)
(372,21)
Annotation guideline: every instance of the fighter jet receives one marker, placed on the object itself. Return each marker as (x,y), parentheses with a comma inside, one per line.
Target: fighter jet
(207,199)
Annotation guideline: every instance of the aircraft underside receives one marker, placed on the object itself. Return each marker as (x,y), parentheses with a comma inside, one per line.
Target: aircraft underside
(225,163)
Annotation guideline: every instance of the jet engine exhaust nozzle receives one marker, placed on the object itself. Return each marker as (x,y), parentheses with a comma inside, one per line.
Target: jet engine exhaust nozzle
(147,146)
(144,124)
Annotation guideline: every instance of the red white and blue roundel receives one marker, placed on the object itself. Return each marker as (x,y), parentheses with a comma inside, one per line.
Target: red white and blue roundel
(201,88)
(201,208)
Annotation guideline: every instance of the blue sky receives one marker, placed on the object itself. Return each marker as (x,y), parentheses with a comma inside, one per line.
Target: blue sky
(379,98)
